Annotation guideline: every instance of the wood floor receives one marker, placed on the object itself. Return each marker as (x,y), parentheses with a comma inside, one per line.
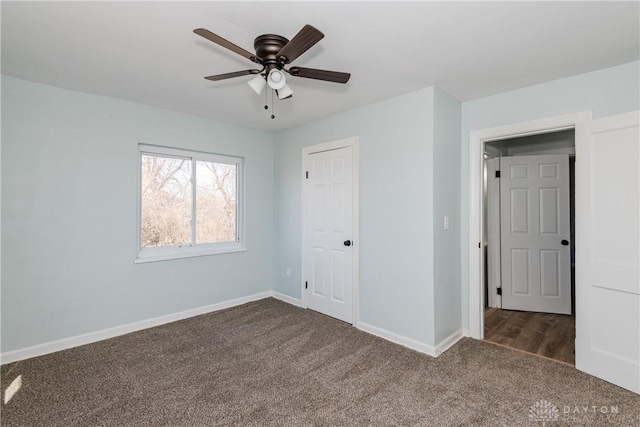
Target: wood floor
(544,334)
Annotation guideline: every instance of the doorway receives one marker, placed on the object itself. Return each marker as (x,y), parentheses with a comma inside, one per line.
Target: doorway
(330,246)
(529,252)
(477,141)
(607,286)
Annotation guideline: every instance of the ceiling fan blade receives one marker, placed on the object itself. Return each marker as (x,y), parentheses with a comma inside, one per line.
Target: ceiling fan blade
(227,44)
(299,44)
(232,75)
(314,73)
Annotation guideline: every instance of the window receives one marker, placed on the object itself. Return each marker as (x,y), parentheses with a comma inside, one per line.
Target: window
(189,204)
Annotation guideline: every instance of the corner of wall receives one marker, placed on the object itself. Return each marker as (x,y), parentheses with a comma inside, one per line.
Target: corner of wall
(446,215)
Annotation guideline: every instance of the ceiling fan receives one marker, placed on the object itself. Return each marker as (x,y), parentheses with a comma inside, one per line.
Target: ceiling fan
(274,53)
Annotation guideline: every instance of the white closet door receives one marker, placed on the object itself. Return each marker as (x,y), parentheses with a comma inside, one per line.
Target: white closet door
(608,249)
(329,253)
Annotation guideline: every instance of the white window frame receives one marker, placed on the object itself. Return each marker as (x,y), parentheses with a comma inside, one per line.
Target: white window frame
(191,250)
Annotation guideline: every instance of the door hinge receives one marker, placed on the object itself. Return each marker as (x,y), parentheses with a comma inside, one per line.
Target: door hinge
(499,291)
(306,285)
(497,174)
(307,174)
(479,245)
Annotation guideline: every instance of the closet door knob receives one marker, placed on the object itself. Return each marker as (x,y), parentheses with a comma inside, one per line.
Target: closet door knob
(347,242)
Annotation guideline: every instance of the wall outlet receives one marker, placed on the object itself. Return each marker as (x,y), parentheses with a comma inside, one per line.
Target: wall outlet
(288,272)
(446,222)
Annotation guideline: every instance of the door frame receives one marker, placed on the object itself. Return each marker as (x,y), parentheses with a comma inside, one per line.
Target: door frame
(354,143)
(494,245)
(477,140)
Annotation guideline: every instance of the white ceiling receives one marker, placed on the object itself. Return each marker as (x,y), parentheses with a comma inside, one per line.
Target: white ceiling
(146,51)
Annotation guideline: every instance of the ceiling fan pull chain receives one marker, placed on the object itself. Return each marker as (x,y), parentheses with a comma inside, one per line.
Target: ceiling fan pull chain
(272,109)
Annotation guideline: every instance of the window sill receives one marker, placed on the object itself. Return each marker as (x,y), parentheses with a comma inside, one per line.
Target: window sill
(185,253)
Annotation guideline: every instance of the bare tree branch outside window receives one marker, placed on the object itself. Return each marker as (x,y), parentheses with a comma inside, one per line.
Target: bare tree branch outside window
(215,202)
(167,202)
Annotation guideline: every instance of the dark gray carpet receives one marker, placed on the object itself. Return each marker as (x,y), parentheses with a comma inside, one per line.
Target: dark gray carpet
(268,363)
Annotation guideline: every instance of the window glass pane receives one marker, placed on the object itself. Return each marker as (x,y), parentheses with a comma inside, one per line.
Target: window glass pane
(166,201)
(215,202)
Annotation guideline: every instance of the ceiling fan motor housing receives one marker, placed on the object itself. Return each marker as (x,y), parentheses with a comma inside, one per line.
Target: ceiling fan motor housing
(267,47)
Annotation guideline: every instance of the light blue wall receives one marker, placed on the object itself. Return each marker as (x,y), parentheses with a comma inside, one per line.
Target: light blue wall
(605,92)
(446,196)
(69,174)
(69,161)
(396,209)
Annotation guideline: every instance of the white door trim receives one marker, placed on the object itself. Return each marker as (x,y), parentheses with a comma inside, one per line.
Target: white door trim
(352,142)
(477,139)
(494,276)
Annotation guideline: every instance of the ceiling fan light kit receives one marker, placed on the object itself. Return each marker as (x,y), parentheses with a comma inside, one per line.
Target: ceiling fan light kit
(276,79)
(285,92)
(257,84)
(274,52)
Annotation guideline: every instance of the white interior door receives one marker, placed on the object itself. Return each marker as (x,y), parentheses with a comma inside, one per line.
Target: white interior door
(328,253)
(608,249)
(535,232)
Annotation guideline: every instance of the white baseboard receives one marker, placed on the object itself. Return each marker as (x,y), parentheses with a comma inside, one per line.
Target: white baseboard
(91,337)
(287,299)
(446,343)
(398,339)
